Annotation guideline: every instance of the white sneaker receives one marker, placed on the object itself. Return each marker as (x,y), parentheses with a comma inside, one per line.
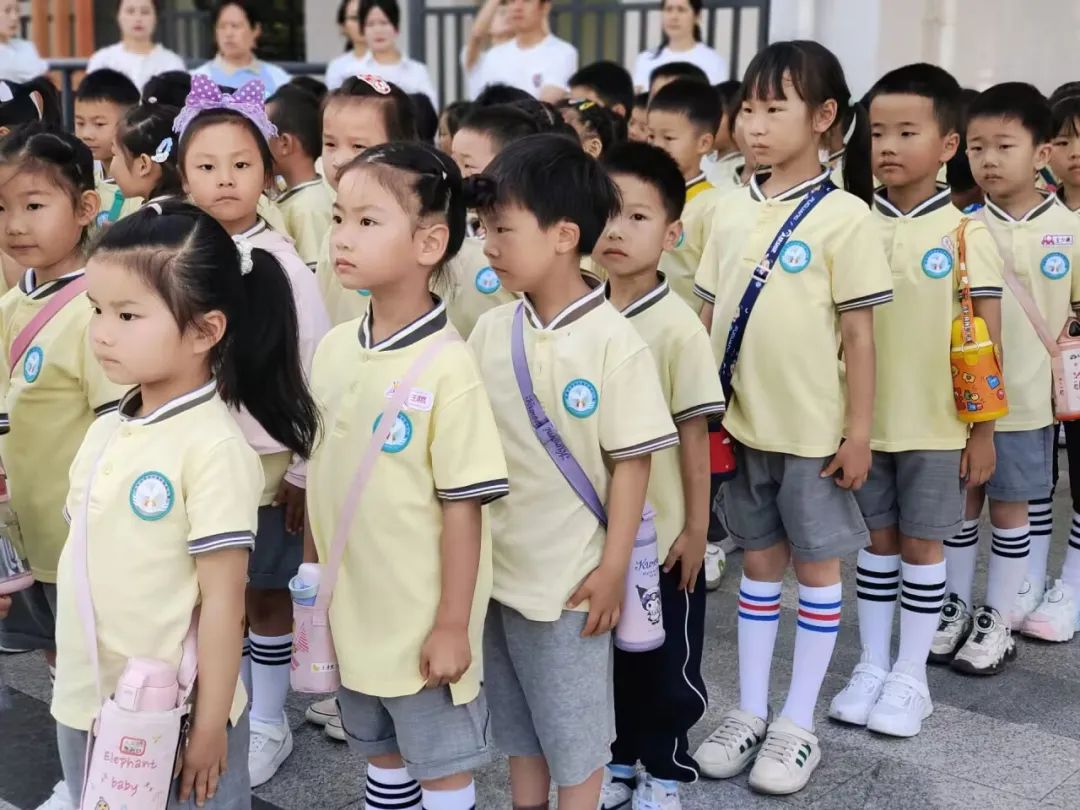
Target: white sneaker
(652,795)
(333,728)
(1056,618)
(59,800)
(953,629)
(1027,600)
(715,563)
(788,757)
(728,750)
(321,713)
(854,702)
(269,747)
(615,794)
(989,646)
(903,705)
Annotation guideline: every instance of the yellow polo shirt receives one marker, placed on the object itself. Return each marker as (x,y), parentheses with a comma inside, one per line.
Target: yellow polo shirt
(788,393)
(444,447)
(341,305)
(691,387)
(470,287)
(170,485)
(1044,248)
(114,205)
(307,211)
(57,389)
(597,381)
(681,264)
(913,399)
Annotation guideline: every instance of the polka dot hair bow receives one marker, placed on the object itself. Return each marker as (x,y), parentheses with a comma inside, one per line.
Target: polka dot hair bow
(247,100)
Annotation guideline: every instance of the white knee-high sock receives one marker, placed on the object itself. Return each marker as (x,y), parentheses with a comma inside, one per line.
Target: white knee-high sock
(245,667)
(1041,520)
(460,799)
(270,658)
(877,582)
(921,597)
(1070,571)
(1008,565)
(391,789)
(960,554)
(759,618)
(815,638)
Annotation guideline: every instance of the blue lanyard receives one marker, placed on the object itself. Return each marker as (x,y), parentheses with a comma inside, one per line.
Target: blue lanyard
(757,282)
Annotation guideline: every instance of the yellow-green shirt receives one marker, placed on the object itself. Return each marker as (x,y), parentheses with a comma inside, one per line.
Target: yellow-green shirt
(681,263)
(306,209)
(341,305)
(473,287)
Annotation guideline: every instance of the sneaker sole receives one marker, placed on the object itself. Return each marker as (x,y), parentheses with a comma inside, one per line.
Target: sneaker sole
(847,721)
(317,718)
(730,769)
(961,665)
(941,658)
(1037,631)
(786,790)
(714,585)
(893,732)
(286,752)
(335,733)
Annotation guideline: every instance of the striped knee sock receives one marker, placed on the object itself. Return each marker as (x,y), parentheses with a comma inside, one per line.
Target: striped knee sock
(815,638)
(391,789)
(759,618)
(1008,565)
(1070,571)
(245,666)
(921,597)
(960,553)
(270,659)
(877,582)
(1041,520)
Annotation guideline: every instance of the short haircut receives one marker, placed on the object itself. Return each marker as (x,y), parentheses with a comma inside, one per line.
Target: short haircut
(641,100)
(678,70)
(399,114)
(551,177)
(170,88)
(388,7)
(298,113)
(1019,101)
(108,85)
(502,124)
(693,99)
(611,83)
(652,165)
(926,81)
(250,9)
(311,84)
(500,93)
(729,94)
(456,112)
(427,119)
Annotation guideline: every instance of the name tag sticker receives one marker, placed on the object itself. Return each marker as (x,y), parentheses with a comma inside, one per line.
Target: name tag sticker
(1057,239)
(420,400)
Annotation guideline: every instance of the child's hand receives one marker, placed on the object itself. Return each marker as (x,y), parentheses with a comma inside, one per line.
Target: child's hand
(445,656)
(978,460)
(689,552)
(205,759)
(5,606)
(604,588)
(852,461)
(292,498)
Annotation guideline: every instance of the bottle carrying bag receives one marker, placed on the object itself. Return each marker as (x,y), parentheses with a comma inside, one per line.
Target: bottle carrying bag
(641,625)
(314,667)
(721,447)
(978,384)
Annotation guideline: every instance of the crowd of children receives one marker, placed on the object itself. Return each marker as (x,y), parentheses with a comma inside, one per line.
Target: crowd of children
(688,309)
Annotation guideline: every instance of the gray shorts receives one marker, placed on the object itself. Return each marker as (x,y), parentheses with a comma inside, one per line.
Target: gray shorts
(277,553)
(776,497)
(919,491)
(31,624)
(551,691)
(433,736)
(1024,468)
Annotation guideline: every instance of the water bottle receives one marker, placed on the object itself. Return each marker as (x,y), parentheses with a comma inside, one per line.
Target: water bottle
(147,685)
(314,667)
(304,587)
(641,623)
(14,570)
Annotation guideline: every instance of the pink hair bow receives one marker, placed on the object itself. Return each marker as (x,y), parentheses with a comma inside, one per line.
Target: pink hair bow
(246,100)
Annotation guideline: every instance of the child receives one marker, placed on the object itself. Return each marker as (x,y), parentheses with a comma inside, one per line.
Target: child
(923,455)
(225,162)
(719,165)
(196,327)
(306,204)
(683,117)
(791,497)
(597,127)
(605,83)
(1008,135)
(638,127)
(411,681)
(666,74)
(660,695)
(102,100)
(144,155)
(547,641)
(450,122)
(19,59)
(1065,150)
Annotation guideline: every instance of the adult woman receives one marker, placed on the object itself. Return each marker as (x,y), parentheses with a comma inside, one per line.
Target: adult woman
(380,21)
(681,42)
(136,55)
(237,28)
(348,64)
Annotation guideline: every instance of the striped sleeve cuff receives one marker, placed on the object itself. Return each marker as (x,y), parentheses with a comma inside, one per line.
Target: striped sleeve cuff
(986,292)
(486,491)
(876,299)
(645,448)
(108,407)
(5,424)
(704,294)
(67,516)
(216,542)
(705,409)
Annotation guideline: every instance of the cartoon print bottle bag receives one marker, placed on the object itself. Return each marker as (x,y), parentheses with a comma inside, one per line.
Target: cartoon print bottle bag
(978,385)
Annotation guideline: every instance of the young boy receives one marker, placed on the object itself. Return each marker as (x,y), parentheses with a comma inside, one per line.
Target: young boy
(638,126)
(660,695)
(672,71)
(720,165)
(923,454)
(1008,142)
(103,98)
(306,204)
(605,83)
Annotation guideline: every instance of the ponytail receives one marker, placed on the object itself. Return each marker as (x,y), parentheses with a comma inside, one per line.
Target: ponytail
(858,175)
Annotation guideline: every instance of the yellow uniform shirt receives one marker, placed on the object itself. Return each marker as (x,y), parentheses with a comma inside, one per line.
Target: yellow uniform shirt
(57,389)
(691,387)
(444,447)
(170,485)
(1044,247)
(267,210)
(913,398)
(788,394)
(598,384)
(472,287)
(114,205)
(306,210)
(681,264)
(341,305)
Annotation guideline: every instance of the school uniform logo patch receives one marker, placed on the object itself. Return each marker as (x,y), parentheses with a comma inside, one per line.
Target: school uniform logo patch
(487,281)
(1055,265)
(580,398)
(32,365)
(795,257)
(364,293)
(400,434)
(151,496)
(937,263)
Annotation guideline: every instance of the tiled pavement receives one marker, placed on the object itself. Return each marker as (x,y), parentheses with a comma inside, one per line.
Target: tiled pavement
(1010,742)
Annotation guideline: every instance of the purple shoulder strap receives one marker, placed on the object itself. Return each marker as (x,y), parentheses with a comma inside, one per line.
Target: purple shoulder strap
(545,430)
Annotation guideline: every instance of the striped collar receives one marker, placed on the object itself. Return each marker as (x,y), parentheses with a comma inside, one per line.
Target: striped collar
(696,186)
(297,188)
(132,401)
(164,198)
(573,311)
(939,199)
(793,193)
(259,226)
(35,292)
(425,326)
(1048,202)
(1060,193)
(653,296)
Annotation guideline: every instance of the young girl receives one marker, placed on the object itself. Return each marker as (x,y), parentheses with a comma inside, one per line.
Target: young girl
(136,55)
(199,328)
(791,497)
(225,162)
(597,126)
(348,64)
(144,155)
(411,680)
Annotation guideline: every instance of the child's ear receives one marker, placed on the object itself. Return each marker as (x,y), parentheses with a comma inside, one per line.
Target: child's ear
(824,116)
(567,237)
(208,331)
(949,147)
(87,209)
(143,166)
(593,147)
(431,244)
(1042,155)
(673,234)
(705,143)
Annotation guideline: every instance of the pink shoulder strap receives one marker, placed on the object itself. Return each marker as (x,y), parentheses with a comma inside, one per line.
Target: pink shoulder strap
(57,301)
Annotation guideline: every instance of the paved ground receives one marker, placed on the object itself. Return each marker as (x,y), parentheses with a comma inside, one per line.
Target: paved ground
(1010,742)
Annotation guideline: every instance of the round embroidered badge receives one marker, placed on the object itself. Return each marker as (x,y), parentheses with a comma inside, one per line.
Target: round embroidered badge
(400,435)
(1055,265)
(487,281)
(580,398)
(35,359)
(937,263)
(151,496)
(795,257)
(364,293)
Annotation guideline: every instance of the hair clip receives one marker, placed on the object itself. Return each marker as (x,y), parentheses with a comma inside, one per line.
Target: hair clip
(152,100)
(584,104)
(163,151)
(248,101)
(376,83)
(244,247)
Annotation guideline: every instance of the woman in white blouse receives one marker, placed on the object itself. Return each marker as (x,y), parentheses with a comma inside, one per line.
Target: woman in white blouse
(136,55)
(348,64)
(380,21)
(681,22)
